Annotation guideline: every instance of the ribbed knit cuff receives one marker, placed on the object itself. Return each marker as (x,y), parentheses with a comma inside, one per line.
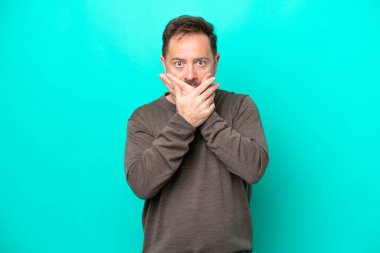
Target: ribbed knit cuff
(180,124)
(214,117)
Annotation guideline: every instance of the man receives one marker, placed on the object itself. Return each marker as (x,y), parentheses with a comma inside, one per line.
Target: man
(193,153)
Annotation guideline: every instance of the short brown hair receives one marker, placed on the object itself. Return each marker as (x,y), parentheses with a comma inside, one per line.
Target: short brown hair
(188,24)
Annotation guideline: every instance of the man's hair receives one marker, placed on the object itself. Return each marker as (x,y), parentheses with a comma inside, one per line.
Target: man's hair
(185,25)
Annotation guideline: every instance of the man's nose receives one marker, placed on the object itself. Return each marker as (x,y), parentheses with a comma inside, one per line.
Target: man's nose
(190,73)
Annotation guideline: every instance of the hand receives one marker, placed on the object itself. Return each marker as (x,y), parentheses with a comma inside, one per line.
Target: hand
(195,105)
(169,79)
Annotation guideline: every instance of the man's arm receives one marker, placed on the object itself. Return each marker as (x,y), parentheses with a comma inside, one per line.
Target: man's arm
(149,163)
(241,147)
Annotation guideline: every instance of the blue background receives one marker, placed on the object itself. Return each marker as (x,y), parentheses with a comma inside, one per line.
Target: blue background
(72,72)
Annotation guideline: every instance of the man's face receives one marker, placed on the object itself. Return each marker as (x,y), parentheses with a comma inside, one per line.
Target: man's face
(190,58)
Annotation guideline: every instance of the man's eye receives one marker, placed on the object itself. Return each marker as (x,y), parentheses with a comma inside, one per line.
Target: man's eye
(201,63)
(178,64)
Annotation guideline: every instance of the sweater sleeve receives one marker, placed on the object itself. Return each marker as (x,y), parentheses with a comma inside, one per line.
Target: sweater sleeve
(150,162)
(241,147)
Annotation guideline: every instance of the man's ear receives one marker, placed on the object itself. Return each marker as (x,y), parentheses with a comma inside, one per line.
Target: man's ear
(216,61)
(162,58)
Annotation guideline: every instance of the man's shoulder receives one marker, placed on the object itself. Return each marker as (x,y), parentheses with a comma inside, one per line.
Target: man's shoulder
(228,101)
(153,107)
(230,96)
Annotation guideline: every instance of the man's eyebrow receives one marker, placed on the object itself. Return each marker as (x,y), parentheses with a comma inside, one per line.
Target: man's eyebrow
(176,59)
(180,59)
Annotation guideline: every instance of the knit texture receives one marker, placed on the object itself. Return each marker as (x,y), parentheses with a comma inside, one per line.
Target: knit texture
(196,182)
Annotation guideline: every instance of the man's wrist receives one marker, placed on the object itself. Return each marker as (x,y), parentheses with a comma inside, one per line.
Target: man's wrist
(209,121)
(178,116)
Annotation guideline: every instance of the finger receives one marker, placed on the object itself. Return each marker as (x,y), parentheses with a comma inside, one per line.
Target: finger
(174,85)
(184,86)
(167,83)
(209,91)
(208,75)
(212,106)
(208,101)
(177,91)
(203,86)
(173,95)
(170,89)
(208,104)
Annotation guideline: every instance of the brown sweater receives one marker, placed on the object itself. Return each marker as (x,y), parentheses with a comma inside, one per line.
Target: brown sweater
(196,182)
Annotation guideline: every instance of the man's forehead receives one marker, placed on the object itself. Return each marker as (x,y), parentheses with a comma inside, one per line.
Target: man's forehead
(189,45)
